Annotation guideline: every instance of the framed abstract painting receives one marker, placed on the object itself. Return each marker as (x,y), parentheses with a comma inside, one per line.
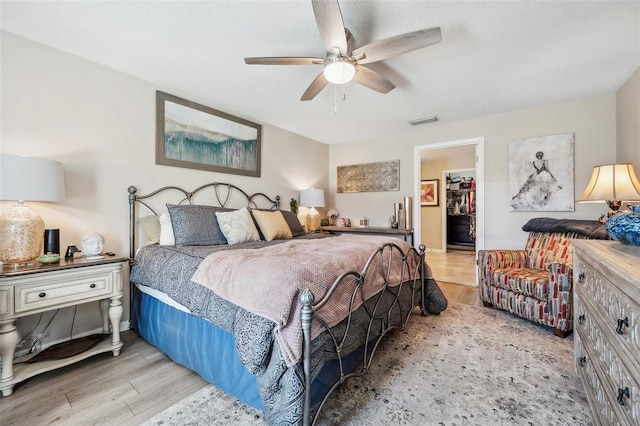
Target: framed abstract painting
(429,192)
(198,137)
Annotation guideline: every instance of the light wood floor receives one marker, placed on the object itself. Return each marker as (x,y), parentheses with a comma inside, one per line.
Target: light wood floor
(133,387)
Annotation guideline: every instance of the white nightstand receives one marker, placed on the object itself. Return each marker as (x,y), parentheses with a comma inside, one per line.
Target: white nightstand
(37,288)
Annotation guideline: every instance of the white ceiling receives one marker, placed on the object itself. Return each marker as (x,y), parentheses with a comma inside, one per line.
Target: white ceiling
(494,56)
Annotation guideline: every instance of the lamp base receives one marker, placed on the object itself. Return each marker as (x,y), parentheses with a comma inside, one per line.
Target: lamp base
(314,220)
(21,235)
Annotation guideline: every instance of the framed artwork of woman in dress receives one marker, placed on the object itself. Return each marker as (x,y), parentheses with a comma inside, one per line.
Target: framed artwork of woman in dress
(429,192)
(541,174)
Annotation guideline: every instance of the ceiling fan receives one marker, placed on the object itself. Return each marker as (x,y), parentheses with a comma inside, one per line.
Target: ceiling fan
(344,63)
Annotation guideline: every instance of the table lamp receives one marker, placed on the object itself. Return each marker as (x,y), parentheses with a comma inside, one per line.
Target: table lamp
(26,179)
(312,198)
(613,184)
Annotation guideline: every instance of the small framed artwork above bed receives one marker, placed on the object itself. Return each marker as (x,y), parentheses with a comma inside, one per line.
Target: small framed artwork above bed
(272,315)
(198,137)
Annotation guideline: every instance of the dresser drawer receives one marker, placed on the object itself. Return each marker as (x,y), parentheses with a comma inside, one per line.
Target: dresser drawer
(619,315)
(63,291)
(592,385)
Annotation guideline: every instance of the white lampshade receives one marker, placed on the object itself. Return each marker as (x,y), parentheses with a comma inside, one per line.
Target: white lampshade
(312,198)
(26,179)
(30,179)
(339,70)
(612,182)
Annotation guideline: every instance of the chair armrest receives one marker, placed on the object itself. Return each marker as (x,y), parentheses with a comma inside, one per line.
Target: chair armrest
(488,260)
(560,297)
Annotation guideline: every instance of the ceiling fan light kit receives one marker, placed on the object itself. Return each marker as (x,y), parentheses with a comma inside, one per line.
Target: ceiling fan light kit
(342,63)
(339,70)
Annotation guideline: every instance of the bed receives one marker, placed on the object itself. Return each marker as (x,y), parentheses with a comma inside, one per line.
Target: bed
(277,321)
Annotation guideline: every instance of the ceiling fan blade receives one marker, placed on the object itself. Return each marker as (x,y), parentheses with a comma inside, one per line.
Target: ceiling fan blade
(283,60)
(316,86)
(330,25)
(397,45)
(371,79)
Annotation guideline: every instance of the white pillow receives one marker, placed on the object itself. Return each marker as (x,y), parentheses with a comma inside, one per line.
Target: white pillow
(166,231)
(151,227)
(237,226)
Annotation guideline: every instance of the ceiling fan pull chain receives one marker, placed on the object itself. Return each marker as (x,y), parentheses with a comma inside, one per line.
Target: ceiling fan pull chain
(335,99)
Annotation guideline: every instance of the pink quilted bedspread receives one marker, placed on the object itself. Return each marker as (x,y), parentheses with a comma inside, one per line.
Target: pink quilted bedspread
(267,281)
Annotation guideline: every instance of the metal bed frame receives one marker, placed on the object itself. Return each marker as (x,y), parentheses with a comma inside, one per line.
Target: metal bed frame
(409,281)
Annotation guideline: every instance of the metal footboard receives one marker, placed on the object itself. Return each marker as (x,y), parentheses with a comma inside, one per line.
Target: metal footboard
(409,279)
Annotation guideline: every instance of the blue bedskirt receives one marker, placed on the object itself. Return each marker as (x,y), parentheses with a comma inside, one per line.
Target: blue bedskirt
(210,351)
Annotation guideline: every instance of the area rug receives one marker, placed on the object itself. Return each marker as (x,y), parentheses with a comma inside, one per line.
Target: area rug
(466,366)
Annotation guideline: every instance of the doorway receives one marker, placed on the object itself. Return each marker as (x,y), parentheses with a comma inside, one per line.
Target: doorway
(430,226)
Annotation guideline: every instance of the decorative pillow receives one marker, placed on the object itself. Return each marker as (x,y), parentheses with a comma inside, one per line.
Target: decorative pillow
(151,227)
(195,225)
(237,226)
(166,230)
(294,223)
(272,225)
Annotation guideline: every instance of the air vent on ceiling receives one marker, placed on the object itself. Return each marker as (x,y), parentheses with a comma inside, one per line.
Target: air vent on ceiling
(420,121)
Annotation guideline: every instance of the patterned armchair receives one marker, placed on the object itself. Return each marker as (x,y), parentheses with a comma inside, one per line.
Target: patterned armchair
(537,283)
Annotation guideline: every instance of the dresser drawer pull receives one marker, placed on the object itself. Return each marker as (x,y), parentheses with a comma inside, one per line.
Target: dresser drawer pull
(583,361)
(621,394)
(581,277)
(581,319)
(622,322)
(93,285)
(43,294)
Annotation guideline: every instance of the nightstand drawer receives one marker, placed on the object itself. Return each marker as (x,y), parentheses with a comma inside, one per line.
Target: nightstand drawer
(68,290)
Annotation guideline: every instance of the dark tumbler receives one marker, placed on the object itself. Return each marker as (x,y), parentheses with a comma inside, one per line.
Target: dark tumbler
(52,241)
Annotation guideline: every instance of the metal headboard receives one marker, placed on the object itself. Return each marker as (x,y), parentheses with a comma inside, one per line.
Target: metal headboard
(223,194)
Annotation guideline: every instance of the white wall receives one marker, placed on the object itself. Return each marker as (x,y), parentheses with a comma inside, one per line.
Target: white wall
(100,124)
(592,120)
(628,122)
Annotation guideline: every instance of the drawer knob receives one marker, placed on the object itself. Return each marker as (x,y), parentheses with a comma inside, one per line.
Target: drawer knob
(93,285)
(621,394)
(622,322)
(583,361)
(43,294)
(581,277)
(581,318)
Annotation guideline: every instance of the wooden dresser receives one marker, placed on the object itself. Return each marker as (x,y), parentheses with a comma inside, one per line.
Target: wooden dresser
(607,328)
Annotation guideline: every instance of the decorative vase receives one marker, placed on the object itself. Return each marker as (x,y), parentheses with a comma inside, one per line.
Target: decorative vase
(625,227)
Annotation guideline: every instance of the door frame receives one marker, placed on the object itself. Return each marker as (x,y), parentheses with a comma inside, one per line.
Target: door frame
(479,161)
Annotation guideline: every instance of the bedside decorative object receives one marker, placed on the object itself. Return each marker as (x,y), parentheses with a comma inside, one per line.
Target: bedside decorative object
(26,179)
(49,258)
(293,204)
(612,183)
(93,244)
(625,227)
(324,222)
(52,241)
(333,215)
(71,250)
(364,222)
(312,198)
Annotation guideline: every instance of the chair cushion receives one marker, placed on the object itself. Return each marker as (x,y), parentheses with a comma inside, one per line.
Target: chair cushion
(531,282)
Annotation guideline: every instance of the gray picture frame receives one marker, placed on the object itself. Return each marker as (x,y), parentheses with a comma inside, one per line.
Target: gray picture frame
(195,136)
